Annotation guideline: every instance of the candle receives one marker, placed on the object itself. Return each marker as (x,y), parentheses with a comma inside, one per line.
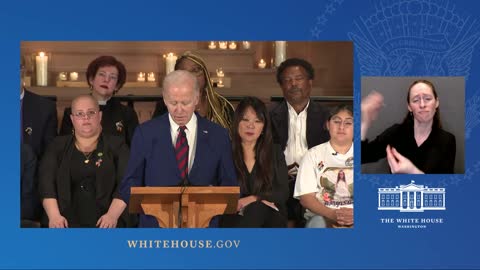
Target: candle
(220,73)
(262,64)
(151,77)
(62,76)
(41,62)
(222,45)
(141,77)
(245,45)
(73,76)
(280,52)
(220,83)
(232,45)
(212,45)
(170,61)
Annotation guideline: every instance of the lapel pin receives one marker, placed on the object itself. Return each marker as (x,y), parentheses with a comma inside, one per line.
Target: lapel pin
(28,130)
(119,126)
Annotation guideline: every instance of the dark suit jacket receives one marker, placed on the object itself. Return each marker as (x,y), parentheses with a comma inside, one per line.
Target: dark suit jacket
(39,117)
(30,203)
(152,159)
(317,117)
(117,119)
(54,174)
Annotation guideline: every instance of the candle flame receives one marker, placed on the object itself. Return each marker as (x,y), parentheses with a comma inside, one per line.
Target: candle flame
(41,54)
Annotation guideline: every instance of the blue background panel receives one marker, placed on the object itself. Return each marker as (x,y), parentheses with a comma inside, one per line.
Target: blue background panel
(391,38)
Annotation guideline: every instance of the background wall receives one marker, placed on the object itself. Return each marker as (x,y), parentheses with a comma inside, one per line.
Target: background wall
(332,61)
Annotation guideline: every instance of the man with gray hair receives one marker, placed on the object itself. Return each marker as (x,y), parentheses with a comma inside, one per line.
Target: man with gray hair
(178,148)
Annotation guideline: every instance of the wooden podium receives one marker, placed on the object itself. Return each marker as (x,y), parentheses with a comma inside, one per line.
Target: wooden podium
(199,204)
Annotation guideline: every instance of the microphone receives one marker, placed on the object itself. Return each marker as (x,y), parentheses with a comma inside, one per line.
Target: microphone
(334,153)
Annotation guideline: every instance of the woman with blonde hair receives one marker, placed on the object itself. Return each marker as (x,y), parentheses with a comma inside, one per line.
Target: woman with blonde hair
(211,105)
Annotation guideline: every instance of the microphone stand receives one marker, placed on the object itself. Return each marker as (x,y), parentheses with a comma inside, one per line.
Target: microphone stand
(184,184)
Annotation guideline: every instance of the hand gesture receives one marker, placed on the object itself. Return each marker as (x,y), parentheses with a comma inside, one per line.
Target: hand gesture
(270,204)
(243,202)
(107,221)
(292,170)
(58,222)
(399,163)
(370,108)
(344,216)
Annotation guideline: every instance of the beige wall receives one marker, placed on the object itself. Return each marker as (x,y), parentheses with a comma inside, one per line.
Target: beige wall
(332,61)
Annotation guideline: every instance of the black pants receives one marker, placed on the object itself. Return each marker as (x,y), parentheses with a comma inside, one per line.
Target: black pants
(294,208)
(255,215)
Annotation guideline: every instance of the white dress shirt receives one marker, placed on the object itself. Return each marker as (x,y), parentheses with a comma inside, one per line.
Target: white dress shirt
(297,135)
(190,132)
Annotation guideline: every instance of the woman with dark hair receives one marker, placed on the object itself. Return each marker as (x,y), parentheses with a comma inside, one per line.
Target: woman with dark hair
(324,183)
(211,105)
(105,77)
(419,144)
(260,167)
(341,186)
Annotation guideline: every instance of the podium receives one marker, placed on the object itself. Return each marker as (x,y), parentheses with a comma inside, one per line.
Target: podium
(199,204)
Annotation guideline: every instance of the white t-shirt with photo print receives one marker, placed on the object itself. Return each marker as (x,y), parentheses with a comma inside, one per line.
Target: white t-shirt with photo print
(328,174)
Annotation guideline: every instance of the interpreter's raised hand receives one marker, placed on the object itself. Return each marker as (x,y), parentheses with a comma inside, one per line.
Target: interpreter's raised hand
(107,221)
(58,222)
(400,164)
(370,107)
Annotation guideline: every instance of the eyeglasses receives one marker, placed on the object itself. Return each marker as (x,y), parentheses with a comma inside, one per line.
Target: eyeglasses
(82,115)
(338,122)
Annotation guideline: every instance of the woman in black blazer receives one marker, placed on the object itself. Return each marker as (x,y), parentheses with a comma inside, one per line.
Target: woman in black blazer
(261,168)
(105,77)
(79,174)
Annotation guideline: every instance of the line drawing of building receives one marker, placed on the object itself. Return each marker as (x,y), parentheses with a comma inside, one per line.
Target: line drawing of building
(411,198)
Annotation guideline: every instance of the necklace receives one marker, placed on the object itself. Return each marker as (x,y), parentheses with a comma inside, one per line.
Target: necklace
(87,156)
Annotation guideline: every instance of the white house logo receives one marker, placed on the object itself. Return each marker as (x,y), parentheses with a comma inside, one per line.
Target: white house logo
(411,198)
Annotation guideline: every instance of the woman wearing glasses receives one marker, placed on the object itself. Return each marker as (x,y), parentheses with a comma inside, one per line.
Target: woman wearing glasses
(211,105)
(419,144)
(79,173)
(324,183)
(106,76)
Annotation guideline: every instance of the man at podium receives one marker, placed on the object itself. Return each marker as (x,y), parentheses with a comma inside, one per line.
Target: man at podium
(177,149)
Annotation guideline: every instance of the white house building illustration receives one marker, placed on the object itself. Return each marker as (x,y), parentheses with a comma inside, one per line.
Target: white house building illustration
(411,198)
